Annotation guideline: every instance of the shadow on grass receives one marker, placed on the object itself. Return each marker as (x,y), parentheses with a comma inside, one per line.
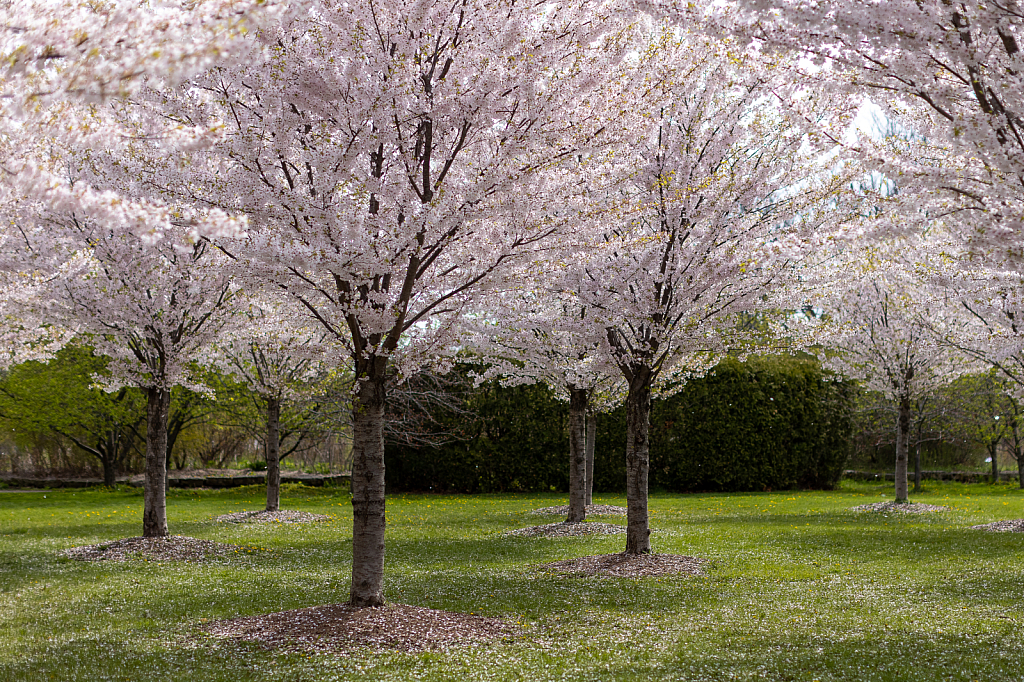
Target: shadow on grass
(883,654)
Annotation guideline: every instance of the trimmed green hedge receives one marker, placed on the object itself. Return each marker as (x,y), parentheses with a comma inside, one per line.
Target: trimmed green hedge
(767,423)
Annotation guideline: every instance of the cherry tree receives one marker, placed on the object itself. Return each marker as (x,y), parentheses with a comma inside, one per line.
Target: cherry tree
(708,218)
(884,326)
(952,68)
(277,356)
(539,339)
(149,308)
(384,157)
(59,53)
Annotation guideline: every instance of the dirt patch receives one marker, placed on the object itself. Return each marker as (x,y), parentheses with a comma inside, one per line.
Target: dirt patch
(1011,525)
(264,516)
(592,510)
(630,565)
(170,548)
(901,508)
(566,530)
(339,626)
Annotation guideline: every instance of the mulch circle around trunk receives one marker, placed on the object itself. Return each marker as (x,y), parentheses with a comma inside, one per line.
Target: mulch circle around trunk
(900,508)
(1010,525)
(169,548)
(592,510)
(337,627)
(630,565)
(566,530)
(264,516)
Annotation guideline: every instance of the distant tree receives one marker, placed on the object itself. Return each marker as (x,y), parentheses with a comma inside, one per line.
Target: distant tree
(543,338)
(279,363)
(61,396)
(880,329)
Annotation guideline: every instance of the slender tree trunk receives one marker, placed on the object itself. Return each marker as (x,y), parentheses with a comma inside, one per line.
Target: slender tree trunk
(917,465)
(368,483)
(591,441)
(273,454)
(154,517)
(902,448)
(1017,454)
(638,416)
(994,453)
(578,399)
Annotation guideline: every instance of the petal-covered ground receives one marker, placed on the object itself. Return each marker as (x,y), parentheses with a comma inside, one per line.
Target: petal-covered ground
(566,530)
(263,516)
(1010,525)
(170,548)
(339,626)
(592,510)
(630,565)
(900,507)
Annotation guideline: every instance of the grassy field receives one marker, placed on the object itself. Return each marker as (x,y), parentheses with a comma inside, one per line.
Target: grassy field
(800,588)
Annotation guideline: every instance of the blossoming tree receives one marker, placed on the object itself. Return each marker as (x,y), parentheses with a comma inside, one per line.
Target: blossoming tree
(384,156)
(709,217)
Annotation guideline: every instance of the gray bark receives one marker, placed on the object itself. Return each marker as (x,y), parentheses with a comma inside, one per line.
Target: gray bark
(154,517)
(1017,454)
(638,416)
(578,400)
(273,454)
(993,451)
(902,448)
(368,483)
(591,441)
(917,465)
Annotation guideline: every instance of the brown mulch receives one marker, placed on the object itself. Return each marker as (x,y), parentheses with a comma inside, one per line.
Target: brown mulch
(1011,525)
(902,508)
(264,516)
(630,565)
(170,548)
(340,626)
(592,510)
(566,530)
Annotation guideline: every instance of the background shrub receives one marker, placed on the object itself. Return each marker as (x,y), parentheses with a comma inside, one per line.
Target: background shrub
(767,423)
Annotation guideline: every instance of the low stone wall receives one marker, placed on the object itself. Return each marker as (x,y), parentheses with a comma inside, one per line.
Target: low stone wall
(960,476)
(252,479)
(247,478)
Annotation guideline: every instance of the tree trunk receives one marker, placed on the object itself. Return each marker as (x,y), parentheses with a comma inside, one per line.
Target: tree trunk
(917,465)
(902,448)
(154,517)
(273,454)
(368,483)
(1017,454)
(638,415)
(578,399)
(109,471)
(591,441)
(994,453)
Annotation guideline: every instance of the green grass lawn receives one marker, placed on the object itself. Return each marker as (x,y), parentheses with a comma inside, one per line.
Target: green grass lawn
(799,588)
